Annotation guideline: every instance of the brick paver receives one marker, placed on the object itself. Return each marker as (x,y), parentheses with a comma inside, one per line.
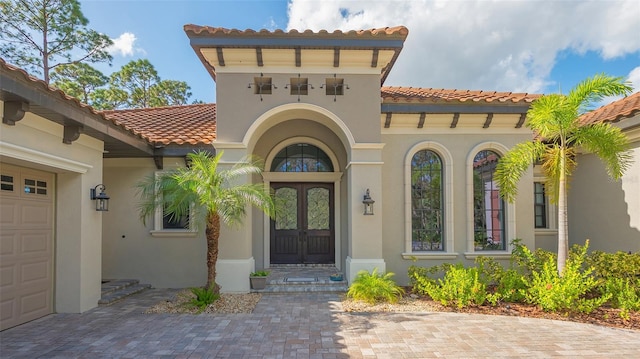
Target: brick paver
(306,325)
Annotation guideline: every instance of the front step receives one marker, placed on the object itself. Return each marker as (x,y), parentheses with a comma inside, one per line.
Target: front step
(115,290)
(308,278)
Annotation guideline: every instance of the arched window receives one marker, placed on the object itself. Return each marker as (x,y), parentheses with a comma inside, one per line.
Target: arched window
(488,206)
(427,202)
(301,157)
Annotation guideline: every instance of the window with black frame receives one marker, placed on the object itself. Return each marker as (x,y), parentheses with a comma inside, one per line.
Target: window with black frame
(427,205)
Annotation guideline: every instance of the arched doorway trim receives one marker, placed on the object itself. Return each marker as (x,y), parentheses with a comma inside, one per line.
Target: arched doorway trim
(292,111)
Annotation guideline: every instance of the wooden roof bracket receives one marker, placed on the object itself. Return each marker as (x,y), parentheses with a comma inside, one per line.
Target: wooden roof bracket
(14,111)
(220,56)
(487,122)
(523,116)
(71,133)
(158,161)
(387,121)
(456,117)
(421,121)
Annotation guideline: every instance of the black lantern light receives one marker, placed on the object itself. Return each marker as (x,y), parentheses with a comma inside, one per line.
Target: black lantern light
(368,204)
(102,200)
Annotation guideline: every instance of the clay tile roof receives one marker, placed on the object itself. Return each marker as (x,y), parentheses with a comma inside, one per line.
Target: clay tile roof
(401,31)
(186,124)
(613,112)
(431,95)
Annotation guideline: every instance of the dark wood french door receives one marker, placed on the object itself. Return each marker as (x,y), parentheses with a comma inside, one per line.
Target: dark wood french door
(303,228)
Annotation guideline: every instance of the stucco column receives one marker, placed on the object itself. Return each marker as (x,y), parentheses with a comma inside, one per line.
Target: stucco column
(235,259)
(78,243)
(364,231)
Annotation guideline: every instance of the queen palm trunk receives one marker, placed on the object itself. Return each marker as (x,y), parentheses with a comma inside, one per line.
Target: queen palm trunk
(212,233)
(563,235)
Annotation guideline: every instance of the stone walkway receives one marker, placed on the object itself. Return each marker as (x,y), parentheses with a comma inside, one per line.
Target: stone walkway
(306,325)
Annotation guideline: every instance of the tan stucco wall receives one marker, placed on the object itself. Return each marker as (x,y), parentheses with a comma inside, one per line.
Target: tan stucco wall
(238,106)
(35,142)
(459,146)
(129,249)
(602,210)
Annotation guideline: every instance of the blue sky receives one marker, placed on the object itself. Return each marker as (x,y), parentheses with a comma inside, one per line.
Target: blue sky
(505,45)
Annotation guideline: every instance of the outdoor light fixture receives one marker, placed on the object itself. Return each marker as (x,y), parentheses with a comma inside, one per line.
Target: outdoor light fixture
(102,200)
(368,204)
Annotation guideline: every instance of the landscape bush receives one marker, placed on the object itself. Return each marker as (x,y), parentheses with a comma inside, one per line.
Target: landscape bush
(587,282)
(374,287)
(203,297)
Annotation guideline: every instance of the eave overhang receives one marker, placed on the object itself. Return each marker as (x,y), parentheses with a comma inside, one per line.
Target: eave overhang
(374,42)
(17,87)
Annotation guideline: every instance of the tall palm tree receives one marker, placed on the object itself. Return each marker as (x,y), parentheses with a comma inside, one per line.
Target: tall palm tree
(554,120)
(208,196)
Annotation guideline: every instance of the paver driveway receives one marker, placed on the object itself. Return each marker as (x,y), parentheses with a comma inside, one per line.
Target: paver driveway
(306,325)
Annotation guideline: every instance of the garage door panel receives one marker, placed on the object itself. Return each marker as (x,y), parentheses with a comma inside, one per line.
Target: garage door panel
(35,271)
(8,212)
(36,214)
(26,245)
(8,247)
(35,243)
(8,274)
(35,305)
(7,311)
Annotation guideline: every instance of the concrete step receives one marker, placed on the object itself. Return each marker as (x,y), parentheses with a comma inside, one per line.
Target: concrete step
(115,290)
(304,284)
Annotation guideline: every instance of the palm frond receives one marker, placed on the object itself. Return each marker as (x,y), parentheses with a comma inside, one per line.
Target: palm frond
(552,165)
(513,164)
(609,144)
(594,89)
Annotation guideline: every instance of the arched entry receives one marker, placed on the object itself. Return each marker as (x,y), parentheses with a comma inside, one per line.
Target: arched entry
(303,229)
(305,186)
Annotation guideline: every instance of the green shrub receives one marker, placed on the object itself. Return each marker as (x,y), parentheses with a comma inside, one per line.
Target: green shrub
(614,265)
(203,298)
(460,287)
(624,294)
(568,292)
(374,287)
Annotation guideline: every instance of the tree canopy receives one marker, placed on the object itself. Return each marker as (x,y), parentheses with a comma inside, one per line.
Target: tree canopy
(40,35)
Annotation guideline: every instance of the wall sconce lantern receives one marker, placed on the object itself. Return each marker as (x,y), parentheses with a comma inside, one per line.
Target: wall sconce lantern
(368,204)
(102,200)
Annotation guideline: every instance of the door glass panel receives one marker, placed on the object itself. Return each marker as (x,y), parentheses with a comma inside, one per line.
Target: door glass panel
(317,208)
(286,201)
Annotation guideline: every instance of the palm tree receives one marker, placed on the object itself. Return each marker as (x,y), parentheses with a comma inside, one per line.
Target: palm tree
(554,120)
(208,196)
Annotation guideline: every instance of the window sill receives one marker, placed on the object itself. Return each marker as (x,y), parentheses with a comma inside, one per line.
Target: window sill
(173,233)
(546,231)
(492,254)
(429,255)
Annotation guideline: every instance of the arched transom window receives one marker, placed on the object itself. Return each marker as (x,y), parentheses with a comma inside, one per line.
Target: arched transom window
(488,206)
(427,205)
(301,157)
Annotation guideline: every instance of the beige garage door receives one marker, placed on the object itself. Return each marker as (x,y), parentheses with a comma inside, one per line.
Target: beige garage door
(26,245)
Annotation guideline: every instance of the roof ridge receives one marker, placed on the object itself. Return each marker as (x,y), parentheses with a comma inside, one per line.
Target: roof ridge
(211,30)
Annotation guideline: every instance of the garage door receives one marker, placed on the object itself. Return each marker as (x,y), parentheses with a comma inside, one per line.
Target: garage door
(26,245)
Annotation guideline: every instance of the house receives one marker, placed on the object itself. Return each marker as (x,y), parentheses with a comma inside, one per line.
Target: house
(367,176)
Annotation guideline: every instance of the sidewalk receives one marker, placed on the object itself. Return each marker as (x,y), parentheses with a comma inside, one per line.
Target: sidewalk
(306,325)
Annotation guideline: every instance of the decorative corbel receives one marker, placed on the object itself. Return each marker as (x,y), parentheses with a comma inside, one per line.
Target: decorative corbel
(158,161)
(487,122)
(14,111)
(71,133)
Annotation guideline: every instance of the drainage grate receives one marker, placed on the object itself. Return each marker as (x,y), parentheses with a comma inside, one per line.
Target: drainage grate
(301,279)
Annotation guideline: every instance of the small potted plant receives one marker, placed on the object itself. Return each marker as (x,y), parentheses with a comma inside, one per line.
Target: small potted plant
(258,279)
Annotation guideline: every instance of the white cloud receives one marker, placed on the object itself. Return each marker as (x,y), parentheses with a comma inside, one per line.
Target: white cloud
(124,45)
(480,44)
(634,78)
